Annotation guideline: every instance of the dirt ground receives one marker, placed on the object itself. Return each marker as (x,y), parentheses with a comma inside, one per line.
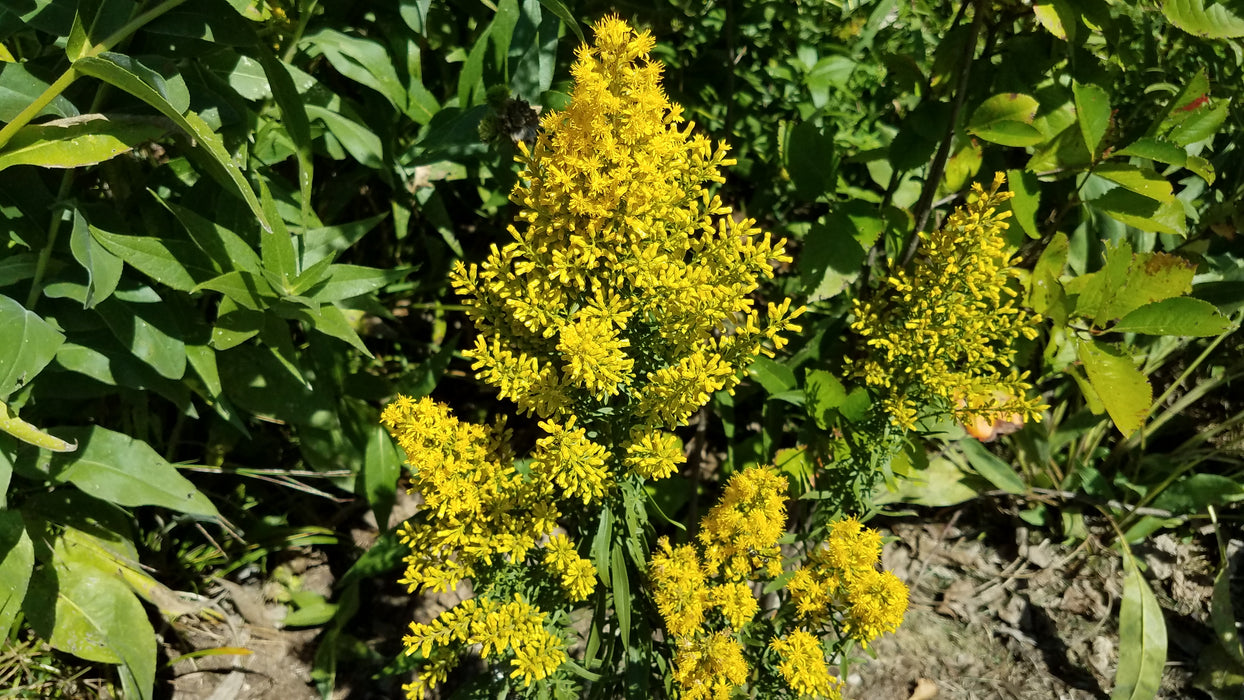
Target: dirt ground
(1013,617)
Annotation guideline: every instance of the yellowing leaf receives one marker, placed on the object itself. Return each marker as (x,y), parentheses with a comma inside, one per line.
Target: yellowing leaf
(1119,385)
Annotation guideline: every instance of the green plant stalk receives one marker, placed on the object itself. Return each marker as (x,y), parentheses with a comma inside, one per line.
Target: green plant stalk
(45,255)
(304,16)
(66,79)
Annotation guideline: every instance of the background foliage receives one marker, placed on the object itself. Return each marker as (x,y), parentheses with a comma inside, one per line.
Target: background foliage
(228,227)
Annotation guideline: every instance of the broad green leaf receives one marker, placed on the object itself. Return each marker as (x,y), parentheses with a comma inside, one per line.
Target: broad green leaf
(17,267)
(1122,388)
(1143,212)
(1027,200)
(1006,119)
(1210,19)
(118,468)
(276,246)
(1065,151)
(20,429)
(17,561)
(833,253)
(259,380)
(621,593)
(166,261)
(1170,154)
(1142,181)
(362,60)
(1197,492)
(19,88)
(1151,277)
(382,465)
(943,483)
(809,157)
(1142,637)
(773,376)
(245,289)
(988,465)
(78,141)
(1095,291)
(824,394)
(1203,123)
(124,73)
(103,269)
(1046,296)
(962,166)
(29,345)
(1182,316)
(348,281)
(415,14)
(225,248)
(96,617)
(1092,114)
(1058,18)
(148,328)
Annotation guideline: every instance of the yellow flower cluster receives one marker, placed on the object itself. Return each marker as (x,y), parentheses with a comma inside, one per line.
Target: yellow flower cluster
(841,576)
(739,537)
(514,628)
(943,333)
(577,575)
(626,298)
(803,666)
(740,533)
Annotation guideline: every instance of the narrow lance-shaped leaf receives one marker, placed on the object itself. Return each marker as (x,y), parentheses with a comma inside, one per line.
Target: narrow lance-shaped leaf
(1142,637)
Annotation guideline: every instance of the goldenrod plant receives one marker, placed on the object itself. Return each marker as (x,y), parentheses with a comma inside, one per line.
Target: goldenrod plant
(623,303)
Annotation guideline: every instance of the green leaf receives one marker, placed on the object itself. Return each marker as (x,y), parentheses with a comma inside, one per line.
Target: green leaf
(103,269)
(1046,296)
(96,617)
(1123,389)
(19,88)
(78,141)
(1170,154)
(362,144)
(1221,612)
(159,258)
(29,345)
(349,281)
(808,154)
(1203,123)
(1151,277)
(295,120)
(473,70)
(245,289)
(1058,18)
(824,394)
(148,328)
(362,60)
(1142,212)
(774,377)
(276,246)
(1095,292)
(94,21)
(988,465)
(332,321)
(227,250)
(1142,637)
(118,468)
(17,561)
(27,433)
(1182,316)
(124,73)
(1027,200)
(1144,181)
(1006,119)
(1092,114)
(1211,19)
(621,593)
(382,465)
(1197,492)
(601,543)
(834,251)
(559,10)
(203,359)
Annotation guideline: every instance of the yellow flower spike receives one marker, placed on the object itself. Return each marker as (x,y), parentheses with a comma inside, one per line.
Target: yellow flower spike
(803,666)
(950,323)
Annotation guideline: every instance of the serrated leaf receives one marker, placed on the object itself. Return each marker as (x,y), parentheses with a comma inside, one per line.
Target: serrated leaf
(1095,291)
(1143,212)
(1046,296)
(1006,119)
(118,468)
(17,561)
(988,465)
(1057,17)
(1142,637)
(1203,123)
(1027,200)
(1151,277)
(1143,181)
(1182,316)
(1122,388)
(1166,152)
(1211,19)
(809,157)
(29,345)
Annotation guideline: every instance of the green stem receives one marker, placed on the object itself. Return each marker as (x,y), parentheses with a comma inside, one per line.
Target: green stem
(45,255)
(66,79)
(304,16)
